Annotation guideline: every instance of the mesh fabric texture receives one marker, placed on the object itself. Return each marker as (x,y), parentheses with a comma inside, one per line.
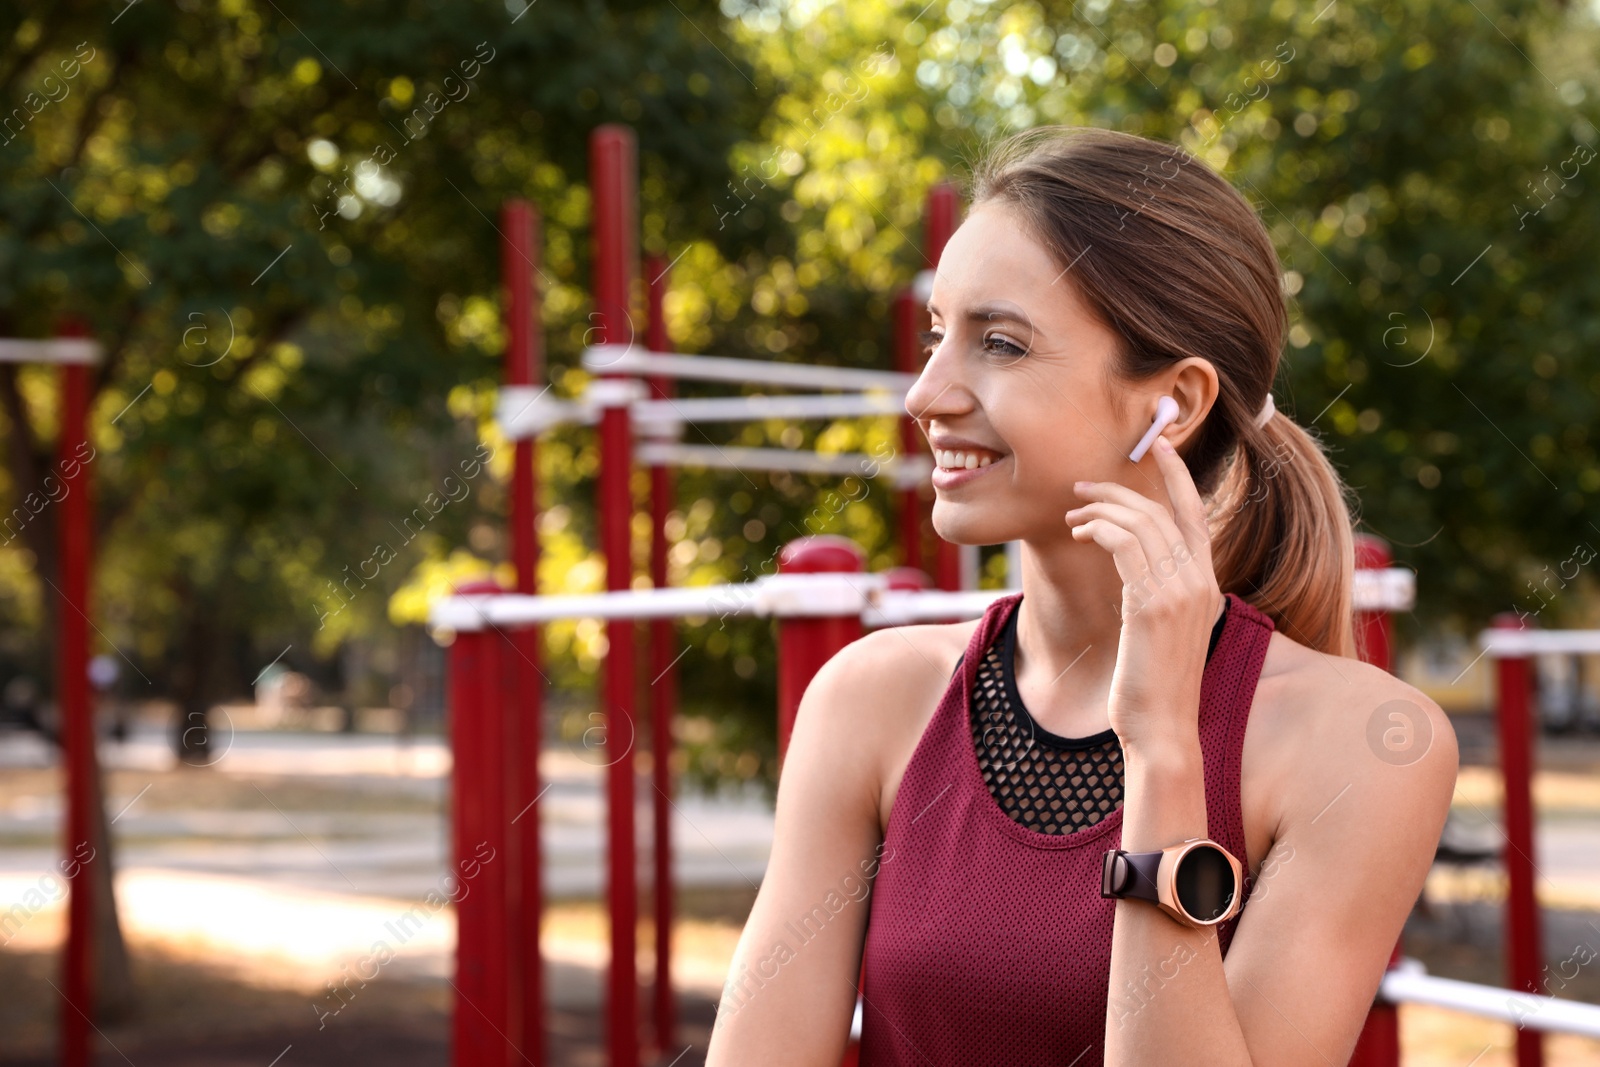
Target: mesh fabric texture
(1046,782)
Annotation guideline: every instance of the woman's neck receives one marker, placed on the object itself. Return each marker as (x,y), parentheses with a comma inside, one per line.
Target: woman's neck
(1071,613)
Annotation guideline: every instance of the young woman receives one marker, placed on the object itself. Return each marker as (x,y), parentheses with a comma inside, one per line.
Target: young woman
(1030,837)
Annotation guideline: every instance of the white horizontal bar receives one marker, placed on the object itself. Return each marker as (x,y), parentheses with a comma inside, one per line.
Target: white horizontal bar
(627,359)
(1409,983)
(901,470)
(54,350)
(739,408)
(904,606)
(1513,644)
(787,595)
(1388,589)
(771,595)
(525,411)
(508,609)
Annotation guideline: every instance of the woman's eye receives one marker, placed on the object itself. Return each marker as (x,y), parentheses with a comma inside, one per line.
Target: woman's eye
(995,344)
(1000,345)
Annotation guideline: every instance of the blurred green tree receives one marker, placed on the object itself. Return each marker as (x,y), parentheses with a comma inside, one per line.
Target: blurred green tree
(1423,167)
(280,230)
(284,232)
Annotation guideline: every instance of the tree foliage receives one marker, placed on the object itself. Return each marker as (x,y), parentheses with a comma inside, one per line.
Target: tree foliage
(285,234)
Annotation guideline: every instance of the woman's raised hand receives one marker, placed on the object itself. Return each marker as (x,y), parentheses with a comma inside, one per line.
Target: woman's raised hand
(1170,600)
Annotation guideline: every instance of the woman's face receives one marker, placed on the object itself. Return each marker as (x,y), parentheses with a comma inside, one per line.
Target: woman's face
(1019,368)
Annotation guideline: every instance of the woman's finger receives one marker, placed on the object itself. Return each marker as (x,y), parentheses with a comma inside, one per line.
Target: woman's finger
(1189,511)
(1117,493)
(1161,552)
(1158,533)
(1125,549)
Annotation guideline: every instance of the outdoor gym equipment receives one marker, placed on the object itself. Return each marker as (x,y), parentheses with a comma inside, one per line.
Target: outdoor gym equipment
(819,598)
(498,973)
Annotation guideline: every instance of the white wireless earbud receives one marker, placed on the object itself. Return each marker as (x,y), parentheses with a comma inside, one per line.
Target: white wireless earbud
(1166,412)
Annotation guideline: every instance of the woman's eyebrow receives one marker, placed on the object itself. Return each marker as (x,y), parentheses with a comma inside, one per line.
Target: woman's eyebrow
(989,312)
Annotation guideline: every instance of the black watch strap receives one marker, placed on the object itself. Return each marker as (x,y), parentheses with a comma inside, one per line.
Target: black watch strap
(1130,875)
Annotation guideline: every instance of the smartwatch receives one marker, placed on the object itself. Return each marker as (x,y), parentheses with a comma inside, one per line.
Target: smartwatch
(1197,881)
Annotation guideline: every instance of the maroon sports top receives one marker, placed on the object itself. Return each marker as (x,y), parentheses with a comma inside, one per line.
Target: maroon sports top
(988,943)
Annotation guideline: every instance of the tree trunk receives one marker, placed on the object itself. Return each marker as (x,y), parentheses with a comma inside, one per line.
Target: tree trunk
(113,979)
(191,737)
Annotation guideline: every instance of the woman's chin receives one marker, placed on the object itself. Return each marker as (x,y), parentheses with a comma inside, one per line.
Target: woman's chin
(956,524)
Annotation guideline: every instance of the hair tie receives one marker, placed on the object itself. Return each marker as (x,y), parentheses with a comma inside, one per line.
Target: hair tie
(1266,411)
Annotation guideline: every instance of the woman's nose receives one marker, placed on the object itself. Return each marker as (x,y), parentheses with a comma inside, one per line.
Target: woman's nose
(935,392)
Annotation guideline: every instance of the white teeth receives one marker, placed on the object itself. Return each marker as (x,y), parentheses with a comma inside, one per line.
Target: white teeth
(961,460)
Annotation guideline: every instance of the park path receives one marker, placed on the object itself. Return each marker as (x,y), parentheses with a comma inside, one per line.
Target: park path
(343,835)
(295,852)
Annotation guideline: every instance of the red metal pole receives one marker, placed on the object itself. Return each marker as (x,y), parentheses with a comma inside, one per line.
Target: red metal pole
(664,684)
(1524,950)
(77,726)
(943,216)
(524,703)
(613,172)
(908,360)
(474,1042)
(1379,1043)
(805,643)
(1374,629)
(493,880)
(941,213)
(907,579)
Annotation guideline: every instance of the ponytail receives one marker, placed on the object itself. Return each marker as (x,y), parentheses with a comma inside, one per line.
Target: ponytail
(1282,538)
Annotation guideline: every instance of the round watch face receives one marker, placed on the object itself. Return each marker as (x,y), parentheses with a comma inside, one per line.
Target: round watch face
(1203,883)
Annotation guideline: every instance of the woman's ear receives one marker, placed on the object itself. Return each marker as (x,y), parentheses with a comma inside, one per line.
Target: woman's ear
(1193,384)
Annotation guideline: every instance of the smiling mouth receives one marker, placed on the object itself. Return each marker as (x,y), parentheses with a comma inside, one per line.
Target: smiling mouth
(962,459)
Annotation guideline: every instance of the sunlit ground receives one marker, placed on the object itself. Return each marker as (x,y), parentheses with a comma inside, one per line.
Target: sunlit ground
(231,940)
(234,937)
(1431,1037)
(243,892)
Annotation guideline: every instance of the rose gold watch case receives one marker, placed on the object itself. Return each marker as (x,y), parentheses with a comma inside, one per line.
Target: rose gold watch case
(1166,873)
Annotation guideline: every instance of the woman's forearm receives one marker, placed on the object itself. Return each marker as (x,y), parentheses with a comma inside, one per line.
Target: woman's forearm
(1168,991)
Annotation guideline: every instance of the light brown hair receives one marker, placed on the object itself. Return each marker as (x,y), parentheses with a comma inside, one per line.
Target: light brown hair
(1173,260)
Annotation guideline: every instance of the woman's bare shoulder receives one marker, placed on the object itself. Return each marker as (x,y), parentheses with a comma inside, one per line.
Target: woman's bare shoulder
(1321,723)
(890,681)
